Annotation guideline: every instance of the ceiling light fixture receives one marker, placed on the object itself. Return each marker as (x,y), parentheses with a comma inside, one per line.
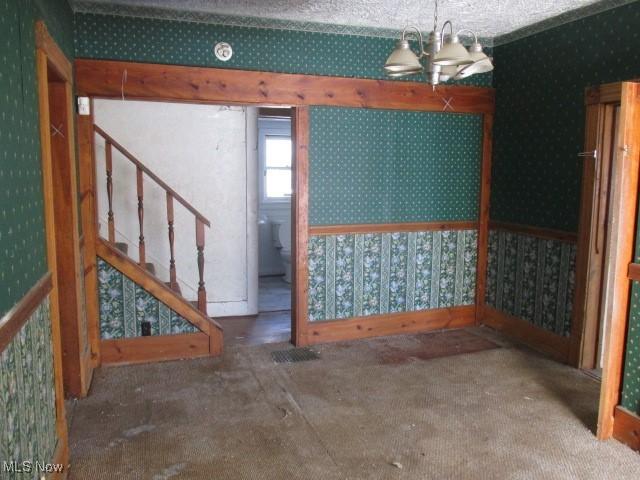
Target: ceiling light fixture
(445,56)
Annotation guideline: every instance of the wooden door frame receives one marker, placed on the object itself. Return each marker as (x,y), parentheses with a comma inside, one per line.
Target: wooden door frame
(51,61)
(106,79)
(612,420)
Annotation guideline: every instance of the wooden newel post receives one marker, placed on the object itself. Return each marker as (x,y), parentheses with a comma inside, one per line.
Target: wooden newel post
(110,218)
(172,259)
(141,247)
(202,292)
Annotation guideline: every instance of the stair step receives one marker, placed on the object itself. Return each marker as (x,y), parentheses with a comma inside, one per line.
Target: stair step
(175,288)
(123,247)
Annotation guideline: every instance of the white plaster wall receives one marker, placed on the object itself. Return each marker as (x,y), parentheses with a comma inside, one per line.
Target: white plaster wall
(203,153)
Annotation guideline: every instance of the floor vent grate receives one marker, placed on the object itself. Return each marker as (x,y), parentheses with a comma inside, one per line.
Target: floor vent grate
(294,355)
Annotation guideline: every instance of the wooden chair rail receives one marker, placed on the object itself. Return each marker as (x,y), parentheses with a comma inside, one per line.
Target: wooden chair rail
(634,272)
(12,322)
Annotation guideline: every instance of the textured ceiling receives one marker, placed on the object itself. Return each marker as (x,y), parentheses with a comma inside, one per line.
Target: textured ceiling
(488,18)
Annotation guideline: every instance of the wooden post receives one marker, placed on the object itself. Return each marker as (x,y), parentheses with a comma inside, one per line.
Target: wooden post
(172,260)
(202,292)
(141,246)
(110,219)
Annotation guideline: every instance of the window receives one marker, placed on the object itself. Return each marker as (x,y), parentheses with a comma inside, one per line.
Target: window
(275,159)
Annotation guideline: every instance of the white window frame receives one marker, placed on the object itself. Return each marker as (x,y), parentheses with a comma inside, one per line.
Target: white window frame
(271,127)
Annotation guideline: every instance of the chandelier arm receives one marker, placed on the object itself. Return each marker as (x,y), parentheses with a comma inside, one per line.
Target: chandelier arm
(444,25)
(413,29)
(475,37)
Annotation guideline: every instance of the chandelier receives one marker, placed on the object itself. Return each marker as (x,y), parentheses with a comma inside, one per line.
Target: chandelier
(445,57)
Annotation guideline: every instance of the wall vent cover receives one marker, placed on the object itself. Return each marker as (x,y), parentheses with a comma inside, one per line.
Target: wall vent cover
(294,355)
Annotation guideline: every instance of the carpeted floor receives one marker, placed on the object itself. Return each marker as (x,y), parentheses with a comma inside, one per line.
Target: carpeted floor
(498,413)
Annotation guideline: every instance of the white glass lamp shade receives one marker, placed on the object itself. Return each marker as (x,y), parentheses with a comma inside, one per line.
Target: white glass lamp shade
(452,53)
(402,61)
(481,63)
(448,72)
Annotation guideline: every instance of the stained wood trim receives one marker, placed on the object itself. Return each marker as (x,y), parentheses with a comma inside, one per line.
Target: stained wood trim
(624,213)
(484,210)
(605,93)
(593,121)
(626,428)
(60,457)
(556,346)
(156,288)
(42,63)
(102,78)
(89,217)
(13,321)
(390,227)
(390,324)
(152,175)
(547,233)
(48,45)
(159,348)
(634,272)
(300,216)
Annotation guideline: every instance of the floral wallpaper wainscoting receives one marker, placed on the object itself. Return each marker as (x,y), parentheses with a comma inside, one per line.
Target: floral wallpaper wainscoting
(124,305)
(357,275)
(631,379)
(27,393)
(532,278)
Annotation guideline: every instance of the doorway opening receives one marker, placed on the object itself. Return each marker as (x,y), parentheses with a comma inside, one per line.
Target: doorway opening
(275,189)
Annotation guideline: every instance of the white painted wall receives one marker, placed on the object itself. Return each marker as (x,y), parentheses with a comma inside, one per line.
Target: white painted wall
(207,154)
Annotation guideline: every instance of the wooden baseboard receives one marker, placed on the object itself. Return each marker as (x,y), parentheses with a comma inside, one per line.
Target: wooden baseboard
(127,351)
(389,324)
(546,342)
(626,428)
(60,457)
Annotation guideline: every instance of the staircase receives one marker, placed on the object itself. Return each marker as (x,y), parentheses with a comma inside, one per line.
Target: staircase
(144,273)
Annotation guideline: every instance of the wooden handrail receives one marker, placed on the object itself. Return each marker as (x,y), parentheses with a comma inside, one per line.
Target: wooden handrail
(152,175)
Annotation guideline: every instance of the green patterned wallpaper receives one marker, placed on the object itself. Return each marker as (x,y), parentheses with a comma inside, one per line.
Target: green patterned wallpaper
(358,275)
(124,305)
(385,166)
(539,124)
(532,278)
(631,379)
(190,43)
(27,394)
(22,241)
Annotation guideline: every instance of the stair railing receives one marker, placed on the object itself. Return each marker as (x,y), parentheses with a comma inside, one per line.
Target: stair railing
(200,220)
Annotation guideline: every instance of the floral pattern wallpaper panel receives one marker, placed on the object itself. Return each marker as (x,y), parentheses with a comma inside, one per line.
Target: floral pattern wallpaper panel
(532,278)
(124,305)
(631,379)
(27,393)
(386,166)
(358,275)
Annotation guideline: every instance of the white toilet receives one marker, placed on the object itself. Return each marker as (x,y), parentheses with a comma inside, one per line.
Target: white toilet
(281,236)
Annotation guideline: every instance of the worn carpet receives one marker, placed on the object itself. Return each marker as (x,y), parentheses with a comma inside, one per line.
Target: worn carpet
(364,410)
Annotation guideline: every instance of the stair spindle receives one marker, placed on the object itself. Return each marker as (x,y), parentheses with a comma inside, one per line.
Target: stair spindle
(202,293)
(172,261)
(141,245)
(110,216)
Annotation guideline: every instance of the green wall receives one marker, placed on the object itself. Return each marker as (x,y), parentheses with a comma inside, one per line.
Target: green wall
(386,166)
(22,241)
(539,130)
(190,43)
(539,124)
(27,405)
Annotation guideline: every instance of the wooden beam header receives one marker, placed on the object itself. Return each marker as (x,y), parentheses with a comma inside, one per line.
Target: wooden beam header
(107,79)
